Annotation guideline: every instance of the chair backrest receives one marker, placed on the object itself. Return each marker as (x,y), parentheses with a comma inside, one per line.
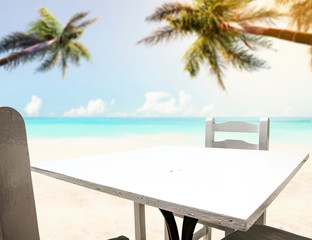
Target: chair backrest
(18,220)
(238,126)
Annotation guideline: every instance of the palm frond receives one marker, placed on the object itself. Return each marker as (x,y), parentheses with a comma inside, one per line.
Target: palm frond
(47,16)
(64,58)
(47,27)
(72,31)
(72,54)
(163,34)
(74,19)
(216,66)
(283,1)
(74,51)
(86,23)
(301,13)
(241,58)
(50,61)
(194,57)
(252,15)
(70,34)
(254,42)
(82,49)
(25,58)
(239,55)
(200,51)
(17,41)
(222,7)
(168,9)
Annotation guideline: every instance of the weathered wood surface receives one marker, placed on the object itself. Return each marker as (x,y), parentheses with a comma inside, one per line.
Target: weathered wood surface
(173,179)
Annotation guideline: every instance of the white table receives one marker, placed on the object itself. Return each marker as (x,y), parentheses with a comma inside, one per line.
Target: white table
(225,187)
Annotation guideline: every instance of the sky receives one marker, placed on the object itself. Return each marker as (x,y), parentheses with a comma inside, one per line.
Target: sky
(125,79)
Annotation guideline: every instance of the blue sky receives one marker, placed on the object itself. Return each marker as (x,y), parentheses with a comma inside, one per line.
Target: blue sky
(125,79)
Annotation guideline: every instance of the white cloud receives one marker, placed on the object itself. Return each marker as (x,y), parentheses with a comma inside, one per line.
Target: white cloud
(185,99)
(288,111)
(33,107)
(94,107)
(207,110)
(163,104)
(119,114)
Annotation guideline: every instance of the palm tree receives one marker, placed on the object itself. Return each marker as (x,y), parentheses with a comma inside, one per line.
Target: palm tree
(47,41)
(225,31)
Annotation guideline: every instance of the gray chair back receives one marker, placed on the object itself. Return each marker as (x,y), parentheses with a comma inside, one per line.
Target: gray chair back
(18,219)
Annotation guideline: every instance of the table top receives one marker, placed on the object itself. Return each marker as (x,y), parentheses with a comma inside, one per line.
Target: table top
(226,187)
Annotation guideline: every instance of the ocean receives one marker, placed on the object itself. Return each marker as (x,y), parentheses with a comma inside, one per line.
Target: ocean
(282,130)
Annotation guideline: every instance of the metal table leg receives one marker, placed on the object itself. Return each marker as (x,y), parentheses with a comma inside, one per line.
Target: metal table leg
(187,228)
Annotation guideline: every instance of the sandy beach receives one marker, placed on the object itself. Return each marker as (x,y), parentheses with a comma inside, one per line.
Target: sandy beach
(70,212)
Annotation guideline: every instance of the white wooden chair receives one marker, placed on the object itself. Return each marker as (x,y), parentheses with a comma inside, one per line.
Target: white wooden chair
(18,219)
(262,232)
(242,127)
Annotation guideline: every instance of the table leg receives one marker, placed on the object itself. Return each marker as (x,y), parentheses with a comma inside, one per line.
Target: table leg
(204,232)
(228,231)
(262,219)
(187,228)
(139,221)
(166,232)
(171,225)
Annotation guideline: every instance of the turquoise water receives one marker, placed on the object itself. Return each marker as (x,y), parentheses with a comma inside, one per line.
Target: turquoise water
(284,130)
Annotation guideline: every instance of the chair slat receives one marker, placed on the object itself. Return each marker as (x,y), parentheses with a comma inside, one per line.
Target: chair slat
(236,126)
(234,144)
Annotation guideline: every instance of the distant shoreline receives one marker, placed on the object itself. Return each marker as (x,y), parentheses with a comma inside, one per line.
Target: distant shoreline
(282,130)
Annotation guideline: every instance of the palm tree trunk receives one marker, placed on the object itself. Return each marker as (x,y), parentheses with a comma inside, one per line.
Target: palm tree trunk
(289,35)
(28,50)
